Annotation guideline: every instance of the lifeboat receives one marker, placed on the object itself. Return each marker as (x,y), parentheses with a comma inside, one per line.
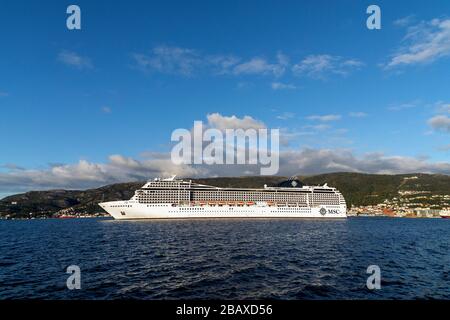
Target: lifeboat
(270,203)
(231,203)
(211,203)
(240,203)
(445,214)
(250,203)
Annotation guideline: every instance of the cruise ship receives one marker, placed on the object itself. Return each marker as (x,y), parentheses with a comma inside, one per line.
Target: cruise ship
(177,199)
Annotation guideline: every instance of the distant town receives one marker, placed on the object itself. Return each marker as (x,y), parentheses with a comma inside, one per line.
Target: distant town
(408,203)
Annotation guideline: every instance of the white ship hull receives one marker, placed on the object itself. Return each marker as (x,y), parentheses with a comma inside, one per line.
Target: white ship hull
(128,210)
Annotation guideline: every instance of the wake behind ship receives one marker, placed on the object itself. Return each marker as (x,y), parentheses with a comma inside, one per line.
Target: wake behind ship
(173,198)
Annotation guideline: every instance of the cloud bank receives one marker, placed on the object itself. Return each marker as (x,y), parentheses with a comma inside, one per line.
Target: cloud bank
(189,62)
(120,168)
(423,43)
(73,59)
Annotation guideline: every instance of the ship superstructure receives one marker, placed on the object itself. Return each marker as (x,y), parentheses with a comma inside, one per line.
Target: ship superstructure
(177,198)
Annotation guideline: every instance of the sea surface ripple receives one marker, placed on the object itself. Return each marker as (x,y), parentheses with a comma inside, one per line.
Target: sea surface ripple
(225,259)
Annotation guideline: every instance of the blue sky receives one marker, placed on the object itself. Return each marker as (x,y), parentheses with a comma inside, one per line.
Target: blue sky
(87,107)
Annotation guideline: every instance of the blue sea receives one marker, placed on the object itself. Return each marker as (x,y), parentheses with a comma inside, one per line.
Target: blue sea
(225,259)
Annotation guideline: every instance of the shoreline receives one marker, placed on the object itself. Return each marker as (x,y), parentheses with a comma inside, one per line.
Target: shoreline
(110,217)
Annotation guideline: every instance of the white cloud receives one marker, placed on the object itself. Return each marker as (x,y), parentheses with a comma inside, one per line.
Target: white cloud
(86,174)
(314,161)
(283,60)
(259,66)
(218,121)
(405,21)
(322,65)
(404,106)
(73,59)
(423,43)
(327,117)
(443,107)
(254,66)
(282,86)
(222,64)
(12,166)
(358,114)
(171,60)
(444,148)
(440,122)
(341,131)
(286,116)
(187,62)
(106,109)
(317,127)
(119,168)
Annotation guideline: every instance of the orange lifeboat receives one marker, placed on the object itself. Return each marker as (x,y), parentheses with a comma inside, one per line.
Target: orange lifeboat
(250,203)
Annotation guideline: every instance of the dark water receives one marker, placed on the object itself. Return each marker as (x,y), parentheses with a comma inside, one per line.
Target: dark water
(225,259)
